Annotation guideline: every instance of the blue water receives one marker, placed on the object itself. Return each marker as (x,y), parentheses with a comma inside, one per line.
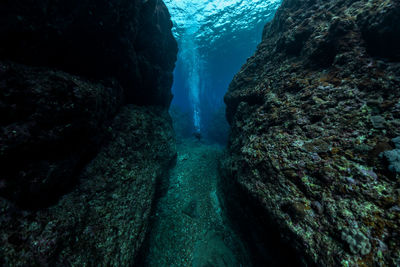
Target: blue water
(215,38)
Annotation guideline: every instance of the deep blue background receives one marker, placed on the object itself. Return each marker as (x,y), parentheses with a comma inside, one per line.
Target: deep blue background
(220,62)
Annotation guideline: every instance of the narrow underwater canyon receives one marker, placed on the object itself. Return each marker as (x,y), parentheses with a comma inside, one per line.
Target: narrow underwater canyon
(94,172)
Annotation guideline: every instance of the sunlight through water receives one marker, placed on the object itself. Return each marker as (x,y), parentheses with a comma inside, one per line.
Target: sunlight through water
(215,38)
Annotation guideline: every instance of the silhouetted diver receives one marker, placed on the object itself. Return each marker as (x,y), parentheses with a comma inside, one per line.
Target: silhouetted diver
(197,135)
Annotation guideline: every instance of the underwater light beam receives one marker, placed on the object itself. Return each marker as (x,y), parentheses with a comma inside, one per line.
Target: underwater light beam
(191,59)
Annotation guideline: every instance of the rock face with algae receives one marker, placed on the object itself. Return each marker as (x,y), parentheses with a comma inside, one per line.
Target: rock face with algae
(85,133)
(103,220)
(315,118)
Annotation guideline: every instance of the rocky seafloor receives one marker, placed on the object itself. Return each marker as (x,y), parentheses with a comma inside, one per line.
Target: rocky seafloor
(189,226)
(313,160)
(84,129)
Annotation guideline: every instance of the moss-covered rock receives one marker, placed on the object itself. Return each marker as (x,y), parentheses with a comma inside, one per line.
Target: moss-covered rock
(104,220)
(311,112)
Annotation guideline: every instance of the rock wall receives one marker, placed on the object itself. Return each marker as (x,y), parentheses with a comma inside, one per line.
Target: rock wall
(104,220)
(314,148)
(79,158)
(53,124)
(129,40)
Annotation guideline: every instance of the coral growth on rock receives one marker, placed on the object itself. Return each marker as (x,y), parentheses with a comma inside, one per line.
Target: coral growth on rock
(311,112)
(393,156)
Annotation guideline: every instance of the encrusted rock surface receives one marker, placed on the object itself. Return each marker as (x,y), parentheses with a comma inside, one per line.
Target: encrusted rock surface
(311,113)
(84,128)
(104,220)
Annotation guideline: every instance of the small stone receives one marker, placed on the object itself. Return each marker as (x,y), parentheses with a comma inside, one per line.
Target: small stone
(319,209)
(295,210)
(378,122)
(396,142)
(191,209)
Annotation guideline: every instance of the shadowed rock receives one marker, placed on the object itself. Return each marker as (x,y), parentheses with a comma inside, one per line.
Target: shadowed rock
(128,40)
(192,209)
(78,166)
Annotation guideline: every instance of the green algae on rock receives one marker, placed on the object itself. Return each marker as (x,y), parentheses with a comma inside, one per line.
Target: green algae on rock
(311,112)
(104,220)
(393,156)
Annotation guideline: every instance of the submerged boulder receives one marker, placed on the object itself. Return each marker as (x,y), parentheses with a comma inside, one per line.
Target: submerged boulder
(313,115)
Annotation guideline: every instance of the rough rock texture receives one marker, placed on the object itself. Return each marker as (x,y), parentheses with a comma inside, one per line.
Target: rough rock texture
(78,166)
(104,220)
(127,39)
(311,113)
(51,124)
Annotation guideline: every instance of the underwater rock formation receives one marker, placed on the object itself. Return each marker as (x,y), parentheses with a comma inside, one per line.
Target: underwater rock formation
(104,220)
(52,125)
(79,162)
(315,117)
(128,40)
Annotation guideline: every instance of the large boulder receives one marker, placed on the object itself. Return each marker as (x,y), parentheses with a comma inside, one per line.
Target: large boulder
(130,40)
(314,149)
